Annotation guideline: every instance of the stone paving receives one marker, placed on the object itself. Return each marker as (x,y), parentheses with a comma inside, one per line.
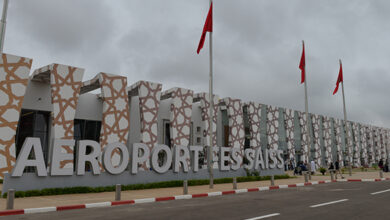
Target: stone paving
(73,199)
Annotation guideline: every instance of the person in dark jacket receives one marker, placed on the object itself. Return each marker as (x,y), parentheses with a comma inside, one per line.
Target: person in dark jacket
(337,166)
(380,164)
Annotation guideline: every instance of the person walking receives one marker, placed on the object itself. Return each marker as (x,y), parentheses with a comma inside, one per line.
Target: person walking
(337,166)
(313,167)
(380,164)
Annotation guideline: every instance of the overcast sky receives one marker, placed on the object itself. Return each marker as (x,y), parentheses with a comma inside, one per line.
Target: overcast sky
(256,43)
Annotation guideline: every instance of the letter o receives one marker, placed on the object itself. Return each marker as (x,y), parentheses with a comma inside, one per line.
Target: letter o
(107,163)
(164,168)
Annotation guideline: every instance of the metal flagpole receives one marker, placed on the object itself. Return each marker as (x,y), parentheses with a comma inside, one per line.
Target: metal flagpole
(3,22)
(210,148)
(346,127)
(307,118)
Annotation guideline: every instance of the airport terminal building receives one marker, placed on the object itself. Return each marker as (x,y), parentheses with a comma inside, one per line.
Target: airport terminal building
(54,102)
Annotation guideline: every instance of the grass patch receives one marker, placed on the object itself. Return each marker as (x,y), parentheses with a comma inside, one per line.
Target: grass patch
(166,184)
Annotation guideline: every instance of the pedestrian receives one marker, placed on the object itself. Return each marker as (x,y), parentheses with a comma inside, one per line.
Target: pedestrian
(313,167)
(337,166)
(380,164)
(331,167)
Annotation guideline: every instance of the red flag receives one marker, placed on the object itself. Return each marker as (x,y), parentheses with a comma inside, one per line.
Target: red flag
(302,63)
(208,27)
(339,79)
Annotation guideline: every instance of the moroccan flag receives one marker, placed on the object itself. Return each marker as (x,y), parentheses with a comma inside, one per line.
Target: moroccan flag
(208,27)
(302,64)
(339,79)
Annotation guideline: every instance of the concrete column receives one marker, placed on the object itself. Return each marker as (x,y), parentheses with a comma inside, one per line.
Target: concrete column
(272,180)
(118,189)
(234,182)
(10,199)
(305,174)
(331,175)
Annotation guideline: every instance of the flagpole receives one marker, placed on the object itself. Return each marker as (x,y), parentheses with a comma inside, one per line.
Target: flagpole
(211,97)
(307,118)
(346,126)
(3,22)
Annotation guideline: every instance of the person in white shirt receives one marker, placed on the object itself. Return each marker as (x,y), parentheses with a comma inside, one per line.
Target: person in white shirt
(313,167)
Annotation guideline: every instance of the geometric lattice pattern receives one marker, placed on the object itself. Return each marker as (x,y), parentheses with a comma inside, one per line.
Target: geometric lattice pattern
(377,144)
(370,145)
(364,151)
(14,72)
(273,127)
(327,133)
(289,125)
(180,117)
(205,103)
(304,136)
(149,94)
(65,83)
(316,121)
(236,123)
(387,143)
(357,145)
(337,128)
(115,123)
(383,144)
(254,118)
(349,141)
(204,99)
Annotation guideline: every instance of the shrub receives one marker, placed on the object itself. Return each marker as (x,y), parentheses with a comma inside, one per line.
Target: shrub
(322,170)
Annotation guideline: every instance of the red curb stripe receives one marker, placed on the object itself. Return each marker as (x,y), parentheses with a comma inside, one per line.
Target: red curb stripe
(274,187)
(122,202)
(377,180)
(165,198)
(12,212)
(228,192)
(334,181)
(200,195)
(70,207)
(253,189)
(387,178)
(354,180)
(292,185)
(322,181)
(308,184)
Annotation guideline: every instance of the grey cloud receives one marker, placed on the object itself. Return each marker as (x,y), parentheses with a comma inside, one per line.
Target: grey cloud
(257,46)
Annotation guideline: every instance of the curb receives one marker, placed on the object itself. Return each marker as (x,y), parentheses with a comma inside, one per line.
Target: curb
(179,197)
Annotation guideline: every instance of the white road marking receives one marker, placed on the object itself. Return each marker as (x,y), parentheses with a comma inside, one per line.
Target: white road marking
(263,216)
(374,193)
(328,203)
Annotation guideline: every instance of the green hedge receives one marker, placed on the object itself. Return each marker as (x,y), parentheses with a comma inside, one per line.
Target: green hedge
(167,184)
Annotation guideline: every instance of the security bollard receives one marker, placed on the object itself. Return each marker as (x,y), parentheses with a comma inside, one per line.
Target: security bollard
(118,188)
(331,175)
(350,170)
(272,180)
(305,174)
(185,187)
(380,173)
(234,182)
(211,186)
(10,199)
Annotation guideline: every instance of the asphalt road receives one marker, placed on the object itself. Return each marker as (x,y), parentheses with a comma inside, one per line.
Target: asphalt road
(347,200)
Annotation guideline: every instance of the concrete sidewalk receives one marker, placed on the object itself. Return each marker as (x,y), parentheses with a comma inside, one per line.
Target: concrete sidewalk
(72,199)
